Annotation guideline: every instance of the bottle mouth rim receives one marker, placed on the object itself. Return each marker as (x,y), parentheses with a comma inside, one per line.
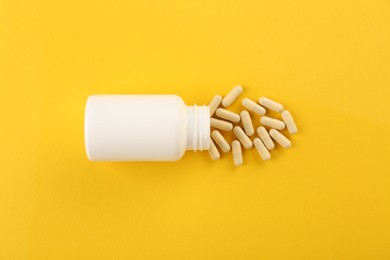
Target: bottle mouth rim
(198,128)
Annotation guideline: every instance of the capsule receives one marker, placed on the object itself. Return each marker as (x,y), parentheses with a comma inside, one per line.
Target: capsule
(213,151)
(244,139)
(261,149)
(220,124)
(231,96)
(237,153)
(228,115)
(273,105)
(247,122)
(220,140)
(253,106)
(264,136)
(214,104)
(272,122)
(280,138)
(289,121)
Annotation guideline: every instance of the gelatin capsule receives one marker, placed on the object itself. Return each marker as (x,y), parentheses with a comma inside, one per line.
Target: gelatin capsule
(220,140)
(237,153)
(244,139)
(289,121)
(214,104)
(271,104)
(272,122)
(228,115)
(280,138)
(213,151)
(220,124)
(253,106)
(264,136)
(231,96)
(247,122)
(261,149)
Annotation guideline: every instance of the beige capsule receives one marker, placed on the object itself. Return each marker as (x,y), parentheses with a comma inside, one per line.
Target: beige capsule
(272,122)
(214,104)
(220,140)
(253,106)
(289,121)
(261,149)
(244,139)
(271,104)
(231,96)
(220,124)
(264,136)
(247,123)
(237,153)
(213,151)
(228,115)
(280,138)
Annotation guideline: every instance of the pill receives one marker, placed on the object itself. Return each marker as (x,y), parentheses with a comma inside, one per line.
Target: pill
(228,115)
(214,104)
(264,136)
(289,121)
(220,124)
(231,96)
(213,151)
(261,149)
(237,153)
(253,106)
(247,122)
(220,140)
(272,122)
(244,139)
(280,138)
(273,105)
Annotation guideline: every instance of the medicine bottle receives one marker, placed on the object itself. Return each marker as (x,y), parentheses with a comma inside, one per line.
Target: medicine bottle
(143,128)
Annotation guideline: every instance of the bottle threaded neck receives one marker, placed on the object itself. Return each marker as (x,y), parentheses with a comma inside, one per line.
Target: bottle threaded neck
(198,128)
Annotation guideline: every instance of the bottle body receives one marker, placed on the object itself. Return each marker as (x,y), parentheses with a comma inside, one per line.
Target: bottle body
(143,128)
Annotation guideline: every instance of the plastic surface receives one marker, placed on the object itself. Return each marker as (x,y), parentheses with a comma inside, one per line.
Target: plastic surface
(143,128)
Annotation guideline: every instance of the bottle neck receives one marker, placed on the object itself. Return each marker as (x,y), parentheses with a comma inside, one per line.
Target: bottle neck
(198,128)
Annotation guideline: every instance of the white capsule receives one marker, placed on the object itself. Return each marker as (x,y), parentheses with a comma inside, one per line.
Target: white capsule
(264,136)
(280,138)
(273,105)
(288,119)
(213,151)
(220,124)
(237,153)
(253,106)
(214,104)
(247,122)
(244,139)
(261,149)
(220,140)
(228,115)
(272,122)
(231,96)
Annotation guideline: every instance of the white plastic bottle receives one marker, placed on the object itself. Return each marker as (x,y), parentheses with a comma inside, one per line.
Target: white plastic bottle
(144,128)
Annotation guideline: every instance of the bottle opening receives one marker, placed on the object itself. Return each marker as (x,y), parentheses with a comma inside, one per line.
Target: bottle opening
(198,128)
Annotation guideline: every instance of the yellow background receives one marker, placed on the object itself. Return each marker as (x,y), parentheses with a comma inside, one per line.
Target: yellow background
(327,197)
